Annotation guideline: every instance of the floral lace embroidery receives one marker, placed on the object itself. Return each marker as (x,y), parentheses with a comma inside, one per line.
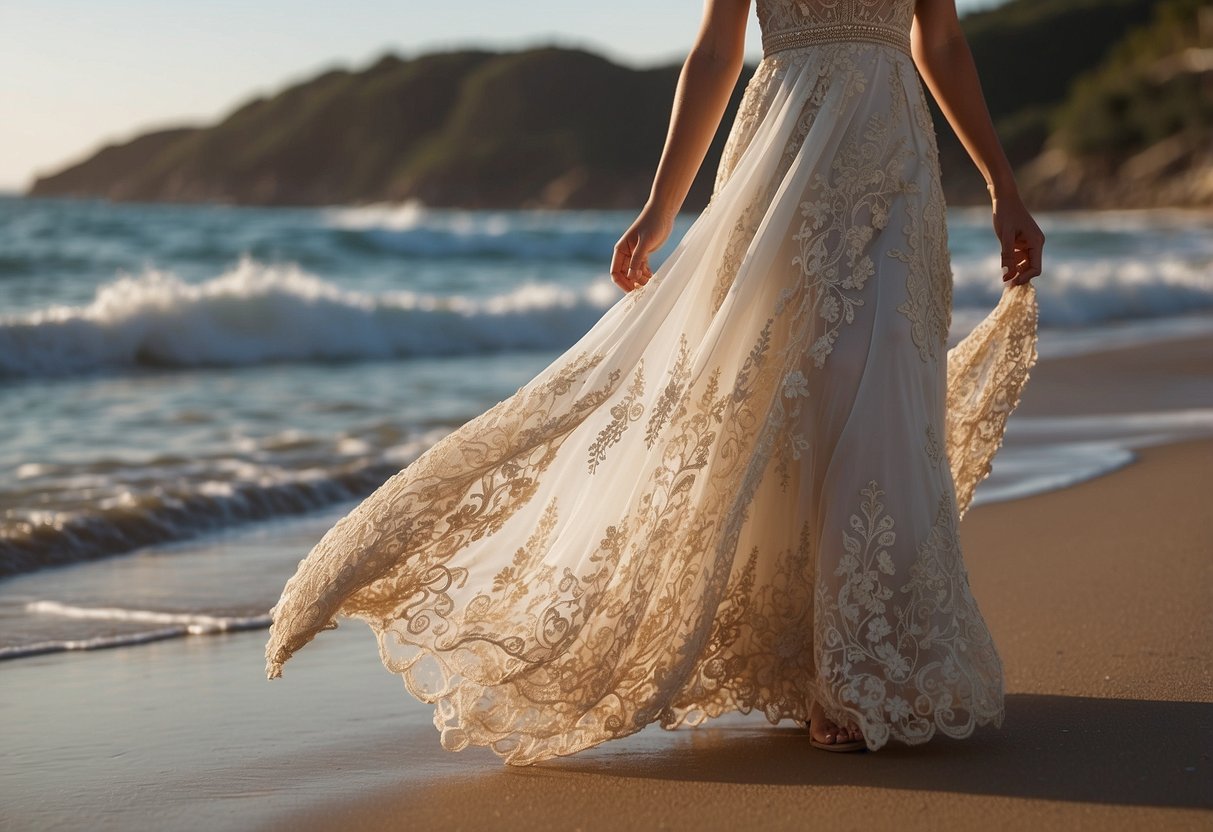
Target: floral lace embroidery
(671,395)
(933,448)
(498,457)
(627,410)
(768,74)
(928,303)
(571,617)
(904,655)
(835,62)
(756,656)
(839,222)
(526,558)
(746,121)
(987,372)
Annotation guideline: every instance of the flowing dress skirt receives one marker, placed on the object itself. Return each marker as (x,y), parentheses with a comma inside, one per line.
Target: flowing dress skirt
(740,489)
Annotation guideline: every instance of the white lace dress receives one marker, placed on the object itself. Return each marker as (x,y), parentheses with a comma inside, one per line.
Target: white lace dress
(741,488)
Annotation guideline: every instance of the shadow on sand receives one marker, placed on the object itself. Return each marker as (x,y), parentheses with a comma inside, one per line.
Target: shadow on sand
(1111,751)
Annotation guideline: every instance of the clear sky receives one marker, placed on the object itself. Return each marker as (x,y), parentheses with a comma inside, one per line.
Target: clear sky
(75,74)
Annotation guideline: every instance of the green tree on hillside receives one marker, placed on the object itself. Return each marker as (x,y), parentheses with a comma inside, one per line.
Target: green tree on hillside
(1157,83)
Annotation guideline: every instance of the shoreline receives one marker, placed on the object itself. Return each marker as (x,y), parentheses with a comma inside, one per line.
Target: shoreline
(1101,620)
(1096,595)
(1095,410)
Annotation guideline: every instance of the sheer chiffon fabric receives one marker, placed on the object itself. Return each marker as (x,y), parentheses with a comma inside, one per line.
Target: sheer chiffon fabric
(741,488)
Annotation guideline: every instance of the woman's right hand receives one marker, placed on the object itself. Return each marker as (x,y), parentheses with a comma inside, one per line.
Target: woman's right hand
(630,263)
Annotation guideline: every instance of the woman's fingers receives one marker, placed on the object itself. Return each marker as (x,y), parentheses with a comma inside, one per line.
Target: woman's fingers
(630,262)
(1006,238)
(639,272)
(1026,258)
(1029,246)
(638,264)
(1021,255)
(1029,267)
(621,263)
(1020,263)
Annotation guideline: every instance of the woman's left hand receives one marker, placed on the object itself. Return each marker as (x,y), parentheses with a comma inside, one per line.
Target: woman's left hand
(1021,238)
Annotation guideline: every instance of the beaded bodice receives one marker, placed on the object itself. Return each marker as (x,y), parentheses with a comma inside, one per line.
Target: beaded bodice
(787,23)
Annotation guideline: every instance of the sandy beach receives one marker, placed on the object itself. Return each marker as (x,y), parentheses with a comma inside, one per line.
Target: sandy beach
(1098,597)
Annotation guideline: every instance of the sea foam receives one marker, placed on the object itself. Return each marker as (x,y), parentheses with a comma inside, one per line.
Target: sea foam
(166,625)
(257,313)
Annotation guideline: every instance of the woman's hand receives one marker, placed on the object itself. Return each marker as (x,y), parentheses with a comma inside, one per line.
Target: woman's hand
(1021,239)
(630,264)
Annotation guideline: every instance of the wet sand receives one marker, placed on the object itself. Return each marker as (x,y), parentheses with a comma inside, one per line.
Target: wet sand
(1167,375)
(1098,597)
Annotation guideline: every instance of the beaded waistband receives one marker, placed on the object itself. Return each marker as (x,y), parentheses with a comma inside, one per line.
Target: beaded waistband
(836,33)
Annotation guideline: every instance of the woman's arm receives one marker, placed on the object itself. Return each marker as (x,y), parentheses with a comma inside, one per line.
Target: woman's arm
(708,77)
(943,57)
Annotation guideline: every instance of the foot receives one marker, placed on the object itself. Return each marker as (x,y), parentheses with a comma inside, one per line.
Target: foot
(825,730)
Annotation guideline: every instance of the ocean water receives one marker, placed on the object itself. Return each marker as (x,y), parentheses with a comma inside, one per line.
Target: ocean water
(191,395)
